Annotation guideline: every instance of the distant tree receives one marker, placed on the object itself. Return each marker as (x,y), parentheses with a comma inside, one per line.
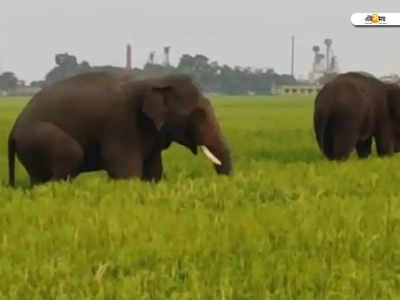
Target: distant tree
(152,70)
(106,69)
(186,64)
(64,59)
(209,75)
(8,81)
(193,64)
(67,66)
(365,73)
(285,79)
(225,79)
(37,84)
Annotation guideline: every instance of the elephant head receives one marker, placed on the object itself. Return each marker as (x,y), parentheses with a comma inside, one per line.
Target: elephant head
(179,112)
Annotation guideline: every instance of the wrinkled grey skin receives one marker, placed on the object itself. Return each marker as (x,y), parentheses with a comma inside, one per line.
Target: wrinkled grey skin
(97,121)
(353,109)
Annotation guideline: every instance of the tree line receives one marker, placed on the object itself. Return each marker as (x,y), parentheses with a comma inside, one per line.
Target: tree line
(224,79)
(210,75)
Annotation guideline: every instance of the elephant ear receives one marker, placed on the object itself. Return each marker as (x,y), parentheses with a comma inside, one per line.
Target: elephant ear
(181,95)
(154,106)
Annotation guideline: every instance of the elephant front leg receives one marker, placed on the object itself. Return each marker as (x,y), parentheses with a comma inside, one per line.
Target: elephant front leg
(121,163)
(384,140)
(364,148)
(152,168)
(396,144)
(124,169)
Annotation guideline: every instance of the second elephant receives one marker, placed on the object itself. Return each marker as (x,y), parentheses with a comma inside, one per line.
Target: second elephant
(353,109)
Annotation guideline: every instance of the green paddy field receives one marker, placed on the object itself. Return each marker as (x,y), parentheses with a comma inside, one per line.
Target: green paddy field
(287,224)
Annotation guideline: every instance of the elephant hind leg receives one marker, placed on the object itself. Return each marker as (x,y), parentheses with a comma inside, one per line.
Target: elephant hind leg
(38,176)
(364,148)
(67,158)
(152,168)
(339,143)
(343,146)
(49,153)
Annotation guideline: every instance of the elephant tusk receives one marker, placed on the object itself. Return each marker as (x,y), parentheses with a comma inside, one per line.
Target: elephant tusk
(210,156)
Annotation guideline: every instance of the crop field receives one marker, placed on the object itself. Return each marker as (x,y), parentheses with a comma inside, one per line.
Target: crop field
(288,224)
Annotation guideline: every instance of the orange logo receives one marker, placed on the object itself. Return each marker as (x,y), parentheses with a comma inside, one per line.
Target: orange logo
(375,18)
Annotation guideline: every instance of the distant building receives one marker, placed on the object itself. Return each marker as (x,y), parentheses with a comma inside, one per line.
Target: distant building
(323,64)
(297,89)
(392,78)
(21,91)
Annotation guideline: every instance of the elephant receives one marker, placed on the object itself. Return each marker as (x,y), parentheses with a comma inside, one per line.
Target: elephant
(98,121)
(352,109)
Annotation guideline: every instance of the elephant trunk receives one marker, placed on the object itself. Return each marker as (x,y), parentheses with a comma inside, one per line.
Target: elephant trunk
(209,137)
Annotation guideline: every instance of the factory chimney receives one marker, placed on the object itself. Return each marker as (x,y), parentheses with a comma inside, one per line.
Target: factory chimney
(128,57)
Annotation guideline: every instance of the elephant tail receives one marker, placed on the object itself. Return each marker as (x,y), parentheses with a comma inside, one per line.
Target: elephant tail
(11,161)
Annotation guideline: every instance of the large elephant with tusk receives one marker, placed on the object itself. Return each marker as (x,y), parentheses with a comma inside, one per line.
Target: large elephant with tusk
(96,121)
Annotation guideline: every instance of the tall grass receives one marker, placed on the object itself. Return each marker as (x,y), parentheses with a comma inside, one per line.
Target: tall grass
(287,225)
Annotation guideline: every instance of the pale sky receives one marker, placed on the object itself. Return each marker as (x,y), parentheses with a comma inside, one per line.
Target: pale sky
(244,33)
